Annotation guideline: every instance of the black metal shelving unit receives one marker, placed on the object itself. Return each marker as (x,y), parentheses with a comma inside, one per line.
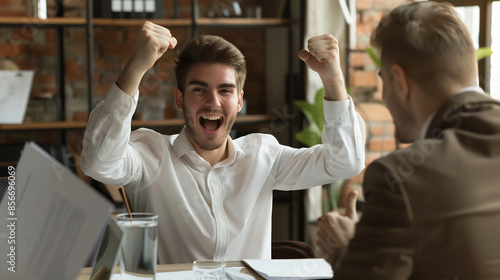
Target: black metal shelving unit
(294,81)
(60,24)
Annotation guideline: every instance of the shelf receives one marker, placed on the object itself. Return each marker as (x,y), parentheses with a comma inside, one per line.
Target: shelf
(43,126)
(202,22)
(241,22)
(50,22)
(139,22)
(244,123)
(240,120)
(78,21)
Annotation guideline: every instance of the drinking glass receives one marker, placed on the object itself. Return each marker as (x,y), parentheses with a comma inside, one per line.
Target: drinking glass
(139,245)
(209,270)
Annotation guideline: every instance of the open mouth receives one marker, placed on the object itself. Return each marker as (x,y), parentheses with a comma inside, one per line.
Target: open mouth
(211,123)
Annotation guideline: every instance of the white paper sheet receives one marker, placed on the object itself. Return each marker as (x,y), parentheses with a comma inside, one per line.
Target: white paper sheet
(58,219)
(232,273)
(15,88)
(292,269)
(177,275)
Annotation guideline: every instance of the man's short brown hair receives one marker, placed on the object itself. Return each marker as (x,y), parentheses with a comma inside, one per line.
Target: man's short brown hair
(210,49)
(428,40)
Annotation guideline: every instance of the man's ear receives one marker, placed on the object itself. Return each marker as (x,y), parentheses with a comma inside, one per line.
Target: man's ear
(240,100)
(179,99)
(401,81)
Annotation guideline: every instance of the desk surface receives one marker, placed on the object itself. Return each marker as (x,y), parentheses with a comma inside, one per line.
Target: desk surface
(85,272)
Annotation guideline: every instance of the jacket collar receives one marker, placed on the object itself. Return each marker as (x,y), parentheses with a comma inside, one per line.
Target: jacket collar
(453,110)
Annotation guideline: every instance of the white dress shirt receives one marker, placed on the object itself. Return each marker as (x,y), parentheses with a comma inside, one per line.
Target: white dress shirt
(214,212)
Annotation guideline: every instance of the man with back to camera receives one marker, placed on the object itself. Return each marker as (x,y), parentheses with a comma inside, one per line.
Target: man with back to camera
(432,210)
(213,194)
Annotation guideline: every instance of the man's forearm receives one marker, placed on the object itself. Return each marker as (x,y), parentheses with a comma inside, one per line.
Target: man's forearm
(129,80)
(334,88)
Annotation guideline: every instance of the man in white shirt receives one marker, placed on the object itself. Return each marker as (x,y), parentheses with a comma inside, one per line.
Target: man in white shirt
(213,194)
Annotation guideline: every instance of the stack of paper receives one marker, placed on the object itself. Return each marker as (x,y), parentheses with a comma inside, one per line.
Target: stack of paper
(232,273)
(292,269)
(15,88)
(54,220)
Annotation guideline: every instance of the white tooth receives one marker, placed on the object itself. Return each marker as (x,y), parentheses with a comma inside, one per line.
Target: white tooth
(212,118)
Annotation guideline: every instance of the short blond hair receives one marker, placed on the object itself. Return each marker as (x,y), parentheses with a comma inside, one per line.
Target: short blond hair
(428,40)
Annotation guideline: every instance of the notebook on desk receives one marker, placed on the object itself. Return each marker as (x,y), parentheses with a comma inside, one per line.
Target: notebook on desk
(51,220)
(299,269)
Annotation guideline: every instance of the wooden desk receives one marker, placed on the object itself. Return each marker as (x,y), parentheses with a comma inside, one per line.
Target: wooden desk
(85,272)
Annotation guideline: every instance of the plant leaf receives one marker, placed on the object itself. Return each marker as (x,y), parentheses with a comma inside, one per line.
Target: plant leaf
(348,90)
(334,192)
(483,52)
(315,116)
(307,109)
(373,56)
(310,136)
(318,113)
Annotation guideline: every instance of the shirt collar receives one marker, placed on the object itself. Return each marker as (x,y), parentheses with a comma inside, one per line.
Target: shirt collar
(427,122)
(468,89)
(233,152)
(183,146)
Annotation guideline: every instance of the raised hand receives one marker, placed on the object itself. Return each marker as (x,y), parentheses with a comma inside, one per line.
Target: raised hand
(152,42)
(335,230)
(322,56)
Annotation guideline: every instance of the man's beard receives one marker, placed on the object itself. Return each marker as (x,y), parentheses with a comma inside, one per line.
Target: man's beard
(405,128)
(402,137)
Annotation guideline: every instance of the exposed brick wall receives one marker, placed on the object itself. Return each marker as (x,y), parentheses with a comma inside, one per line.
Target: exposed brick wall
(366,87)
(13,8)
(34,49)
(365,84)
